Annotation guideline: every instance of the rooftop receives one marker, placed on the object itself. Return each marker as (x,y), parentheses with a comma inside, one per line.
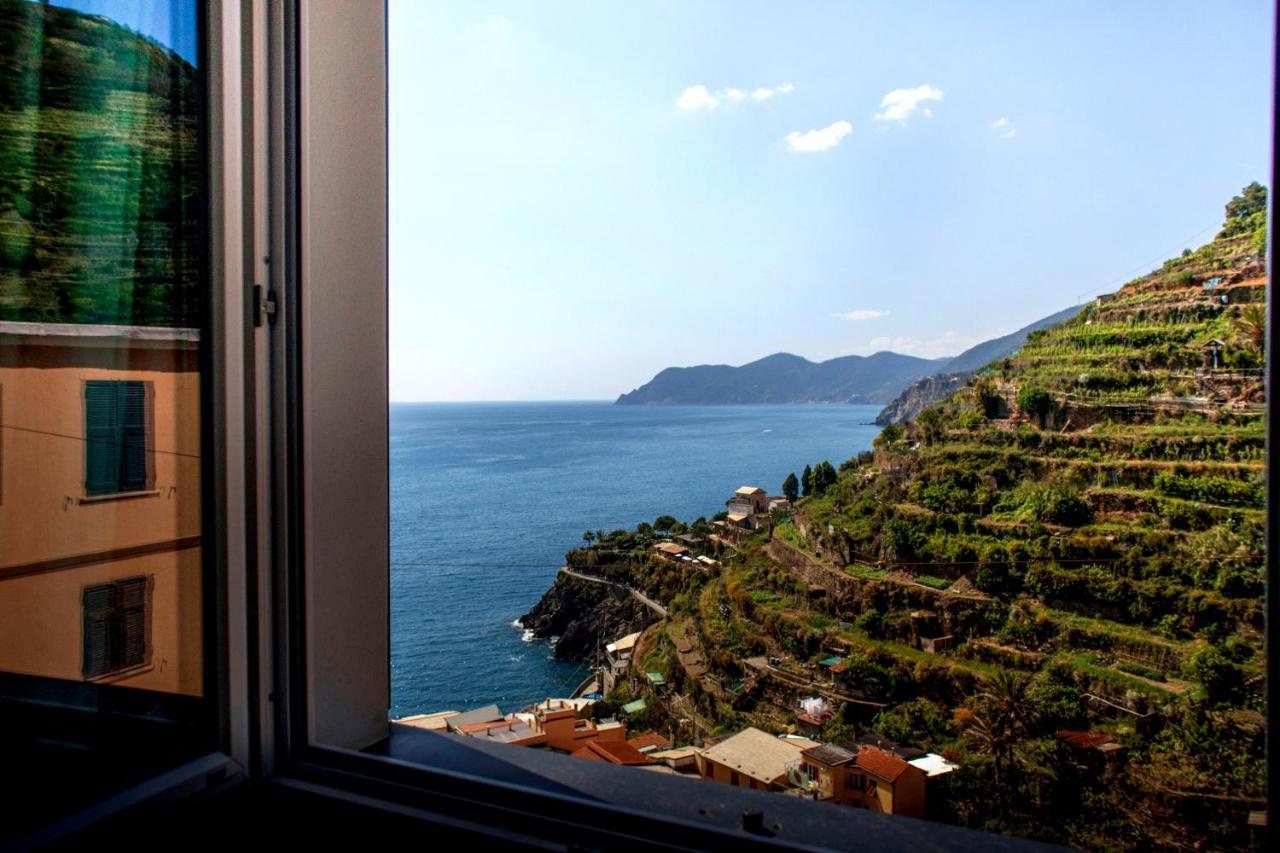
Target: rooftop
(623,644)
(829,754)
(879,741)
(578,704)
(880,763)
(512,730)
(649,743)
(1087,740)
(754,753)
(933,764)
(437,721)
(611,751)
(749,490)
(487,714)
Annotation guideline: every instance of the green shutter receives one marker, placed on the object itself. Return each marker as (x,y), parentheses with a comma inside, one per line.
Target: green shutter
(102,438)
(132,607)
(115,437)
(132,408)
(99,606)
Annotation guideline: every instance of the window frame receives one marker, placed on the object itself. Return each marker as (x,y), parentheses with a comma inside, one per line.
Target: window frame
(122,488)
(117,612)
(268,525)
(297,550)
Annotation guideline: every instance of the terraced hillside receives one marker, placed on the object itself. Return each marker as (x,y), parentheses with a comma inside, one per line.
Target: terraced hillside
(1054,578)
(99,189)
(1104,489)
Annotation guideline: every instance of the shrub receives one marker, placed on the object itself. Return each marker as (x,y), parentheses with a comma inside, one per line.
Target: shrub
(1035,402)
(872,622)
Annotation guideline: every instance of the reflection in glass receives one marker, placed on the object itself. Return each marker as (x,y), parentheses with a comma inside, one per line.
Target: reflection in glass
(100,309)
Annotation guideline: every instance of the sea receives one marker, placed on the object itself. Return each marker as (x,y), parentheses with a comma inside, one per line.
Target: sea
(487,497)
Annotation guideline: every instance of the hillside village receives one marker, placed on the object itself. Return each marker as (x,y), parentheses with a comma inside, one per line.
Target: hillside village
(1036,608)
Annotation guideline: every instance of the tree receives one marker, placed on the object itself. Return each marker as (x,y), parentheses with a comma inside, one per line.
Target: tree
(1036,402)
(588,537)
(1252,323)
(791,487)
(889,436)
(871,621)
(663,524)
(1252,199)
(1245,211)
(997,723)
(1212,667)
(806,481)
(824,476)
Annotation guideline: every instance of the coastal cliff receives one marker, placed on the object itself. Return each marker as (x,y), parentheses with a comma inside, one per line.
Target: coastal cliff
(584,614)
(921,394)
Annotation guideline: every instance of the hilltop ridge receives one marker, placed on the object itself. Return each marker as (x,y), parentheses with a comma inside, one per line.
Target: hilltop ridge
(785,378)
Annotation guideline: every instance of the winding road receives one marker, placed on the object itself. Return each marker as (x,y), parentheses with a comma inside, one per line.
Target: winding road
(635,593)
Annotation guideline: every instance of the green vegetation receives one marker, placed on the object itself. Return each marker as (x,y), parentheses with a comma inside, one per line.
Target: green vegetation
(791,488)
(100,206)
(1083,526)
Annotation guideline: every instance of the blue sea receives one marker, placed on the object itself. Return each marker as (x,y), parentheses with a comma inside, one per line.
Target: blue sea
(487,497)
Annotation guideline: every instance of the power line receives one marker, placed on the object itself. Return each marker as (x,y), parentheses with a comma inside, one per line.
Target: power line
(87,440)
(1146,266)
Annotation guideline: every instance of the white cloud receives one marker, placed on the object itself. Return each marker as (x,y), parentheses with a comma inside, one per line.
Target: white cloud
(861,314)
(1003,128)
(700,97)
(899,104)
(697,98)
(819,140)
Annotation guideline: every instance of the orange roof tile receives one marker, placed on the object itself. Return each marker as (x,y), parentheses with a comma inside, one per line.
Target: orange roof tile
(886,766)
(654,740)
(612,751)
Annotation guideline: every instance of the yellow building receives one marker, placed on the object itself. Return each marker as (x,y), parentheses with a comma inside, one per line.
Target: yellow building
(100,573)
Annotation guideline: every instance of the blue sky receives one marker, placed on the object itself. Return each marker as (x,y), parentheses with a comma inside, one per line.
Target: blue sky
(170,22)
(570,213)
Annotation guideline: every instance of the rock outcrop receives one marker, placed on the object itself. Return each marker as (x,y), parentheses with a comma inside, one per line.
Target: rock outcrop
(920,395)
(585,615)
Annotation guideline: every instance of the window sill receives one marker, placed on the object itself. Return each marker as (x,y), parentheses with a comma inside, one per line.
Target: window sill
(121,674)
(119,496)
(534,786)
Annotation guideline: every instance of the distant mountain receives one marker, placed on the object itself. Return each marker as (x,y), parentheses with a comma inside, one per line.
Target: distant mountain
(786,378)
(928,390)
(978,357)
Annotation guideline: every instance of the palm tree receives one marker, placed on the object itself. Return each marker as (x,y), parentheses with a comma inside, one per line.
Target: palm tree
(1252,323)
(999,722)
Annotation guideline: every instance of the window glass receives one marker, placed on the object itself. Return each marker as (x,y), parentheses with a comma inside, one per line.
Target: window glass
(101,307)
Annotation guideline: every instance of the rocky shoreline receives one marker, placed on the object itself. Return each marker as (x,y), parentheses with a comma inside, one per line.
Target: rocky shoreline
(584,616)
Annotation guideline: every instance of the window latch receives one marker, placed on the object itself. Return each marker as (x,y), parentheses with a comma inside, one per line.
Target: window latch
(264,305)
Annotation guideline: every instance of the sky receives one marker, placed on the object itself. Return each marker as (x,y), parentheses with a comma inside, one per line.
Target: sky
(172,23)
(585,193)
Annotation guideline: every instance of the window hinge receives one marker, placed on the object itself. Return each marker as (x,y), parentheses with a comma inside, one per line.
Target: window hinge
(264,304)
